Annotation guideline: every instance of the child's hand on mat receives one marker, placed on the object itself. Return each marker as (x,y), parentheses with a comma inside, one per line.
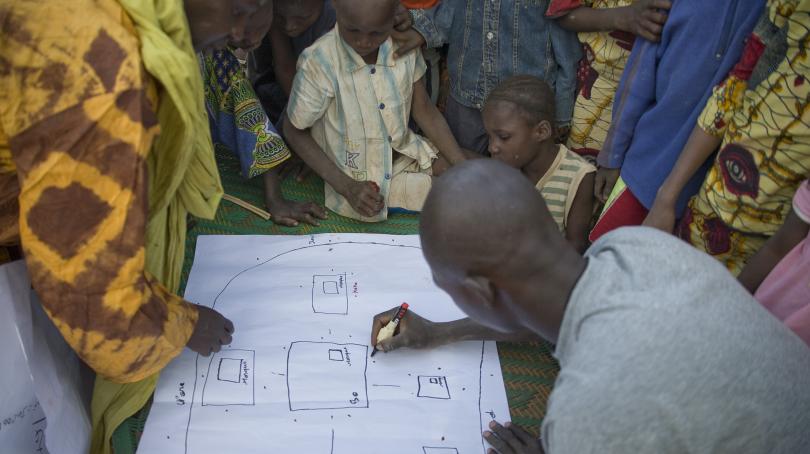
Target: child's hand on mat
(511,439)
(647,18)
(364,197)
(604,182)
(661,215)
(290,213)
(407,41)
(211,332)
(413,332)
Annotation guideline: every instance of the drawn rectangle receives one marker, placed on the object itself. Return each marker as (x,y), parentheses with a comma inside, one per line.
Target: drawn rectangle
(335,354)
(229,379)
(437,450)
(329,294)
(330,288)
(346,385)
(433,386)
(229,369)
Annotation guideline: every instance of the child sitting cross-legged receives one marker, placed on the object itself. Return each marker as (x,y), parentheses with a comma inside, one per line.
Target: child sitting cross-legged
(519,119)
(348,114)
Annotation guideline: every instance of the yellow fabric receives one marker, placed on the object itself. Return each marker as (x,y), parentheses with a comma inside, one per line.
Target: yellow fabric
(112,404)
(605,56)
(77,120)
(615,193)
(77,108)
(182,170)
(765,152)
(183,179)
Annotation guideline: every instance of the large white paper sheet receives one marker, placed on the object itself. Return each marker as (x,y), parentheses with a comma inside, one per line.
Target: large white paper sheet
(298,377)
(44,397)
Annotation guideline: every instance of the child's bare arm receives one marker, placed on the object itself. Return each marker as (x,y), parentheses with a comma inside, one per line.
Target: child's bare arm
(433,124)
(283,59)
(699,147)
(362,195)
(644,18)
(579,217)
(792,232)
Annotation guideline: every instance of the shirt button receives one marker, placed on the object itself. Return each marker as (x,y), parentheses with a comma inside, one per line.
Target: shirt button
(390,139)
(373,70)
(387,176)
(490,35)
(382,106)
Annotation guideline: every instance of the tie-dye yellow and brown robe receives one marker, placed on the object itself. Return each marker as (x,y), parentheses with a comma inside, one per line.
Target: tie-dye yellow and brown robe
(77,122)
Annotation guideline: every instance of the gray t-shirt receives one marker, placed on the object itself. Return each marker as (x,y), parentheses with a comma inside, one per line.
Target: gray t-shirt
(662,351)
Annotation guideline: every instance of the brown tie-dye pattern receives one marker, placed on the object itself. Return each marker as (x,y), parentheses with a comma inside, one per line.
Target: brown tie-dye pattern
(9,209)
(105,57)
(79,122)
(65,218)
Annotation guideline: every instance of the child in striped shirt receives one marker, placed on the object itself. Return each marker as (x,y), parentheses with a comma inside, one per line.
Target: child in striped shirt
(519,119)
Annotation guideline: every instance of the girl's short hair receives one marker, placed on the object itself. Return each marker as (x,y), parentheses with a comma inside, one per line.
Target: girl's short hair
(531,95)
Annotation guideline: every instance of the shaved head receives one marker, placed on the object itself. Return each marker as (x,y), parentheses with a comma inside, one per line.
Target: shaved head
(365,24)
(484,217)
(493,247)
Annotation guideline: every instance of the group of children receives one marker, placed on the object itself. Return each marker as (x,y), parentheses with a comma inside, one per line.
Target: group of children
(695,112)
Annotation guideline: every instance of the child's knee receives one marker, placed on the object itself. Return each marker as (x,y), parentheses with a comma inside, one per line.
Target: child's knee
(409,190)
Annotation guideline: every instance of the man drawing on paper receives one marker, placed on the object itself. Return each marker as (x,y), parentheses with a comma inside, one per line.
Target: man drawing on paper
(660,349)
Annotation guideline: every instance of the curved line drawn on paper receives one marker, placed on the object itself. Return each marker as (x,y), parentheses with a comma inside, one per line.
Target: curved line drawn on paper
(344,364)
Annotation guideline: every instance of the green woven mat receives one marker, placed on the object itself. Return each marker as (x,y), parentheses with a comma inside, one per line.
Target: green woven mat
(529,370)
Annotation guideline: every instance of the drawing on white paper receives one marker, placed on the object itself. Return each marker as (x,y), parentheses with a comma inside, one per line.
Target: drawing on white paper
(344,364)
(329,295)
(438,450)
(434,387)
(229,380)
(302,308)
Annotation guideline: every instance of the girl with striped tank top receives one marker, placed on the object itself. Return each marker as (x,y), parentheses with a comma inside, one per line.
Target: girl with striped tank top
(519,119)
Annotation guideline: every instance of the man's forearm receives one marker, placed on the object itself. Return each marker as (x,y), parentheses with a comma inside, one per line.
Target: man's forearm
(466,329)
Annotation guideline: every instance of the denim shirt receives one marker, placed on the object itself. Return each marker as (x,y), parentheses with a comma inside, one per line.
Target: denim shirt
(491,40)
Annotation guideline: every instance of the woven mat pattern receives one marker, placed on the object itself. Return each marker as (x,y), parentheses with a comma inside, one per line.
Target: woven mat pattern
(529,370)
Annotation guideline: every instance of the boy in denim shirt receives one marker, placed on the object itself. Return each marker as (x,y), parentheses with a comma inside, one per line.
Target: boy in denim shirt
(490,41)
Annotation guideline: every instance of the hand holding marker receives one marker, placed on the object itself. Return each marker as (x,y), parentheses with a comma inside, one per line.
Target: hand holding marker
(388,330)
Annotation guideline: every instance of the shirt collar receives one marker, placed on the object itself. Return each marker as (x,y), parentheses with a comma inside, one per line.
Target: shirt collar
(352,61)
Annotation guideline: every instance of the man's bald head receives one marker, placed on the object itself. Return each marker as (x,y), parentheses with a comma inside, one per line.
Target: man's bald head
(484,217)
